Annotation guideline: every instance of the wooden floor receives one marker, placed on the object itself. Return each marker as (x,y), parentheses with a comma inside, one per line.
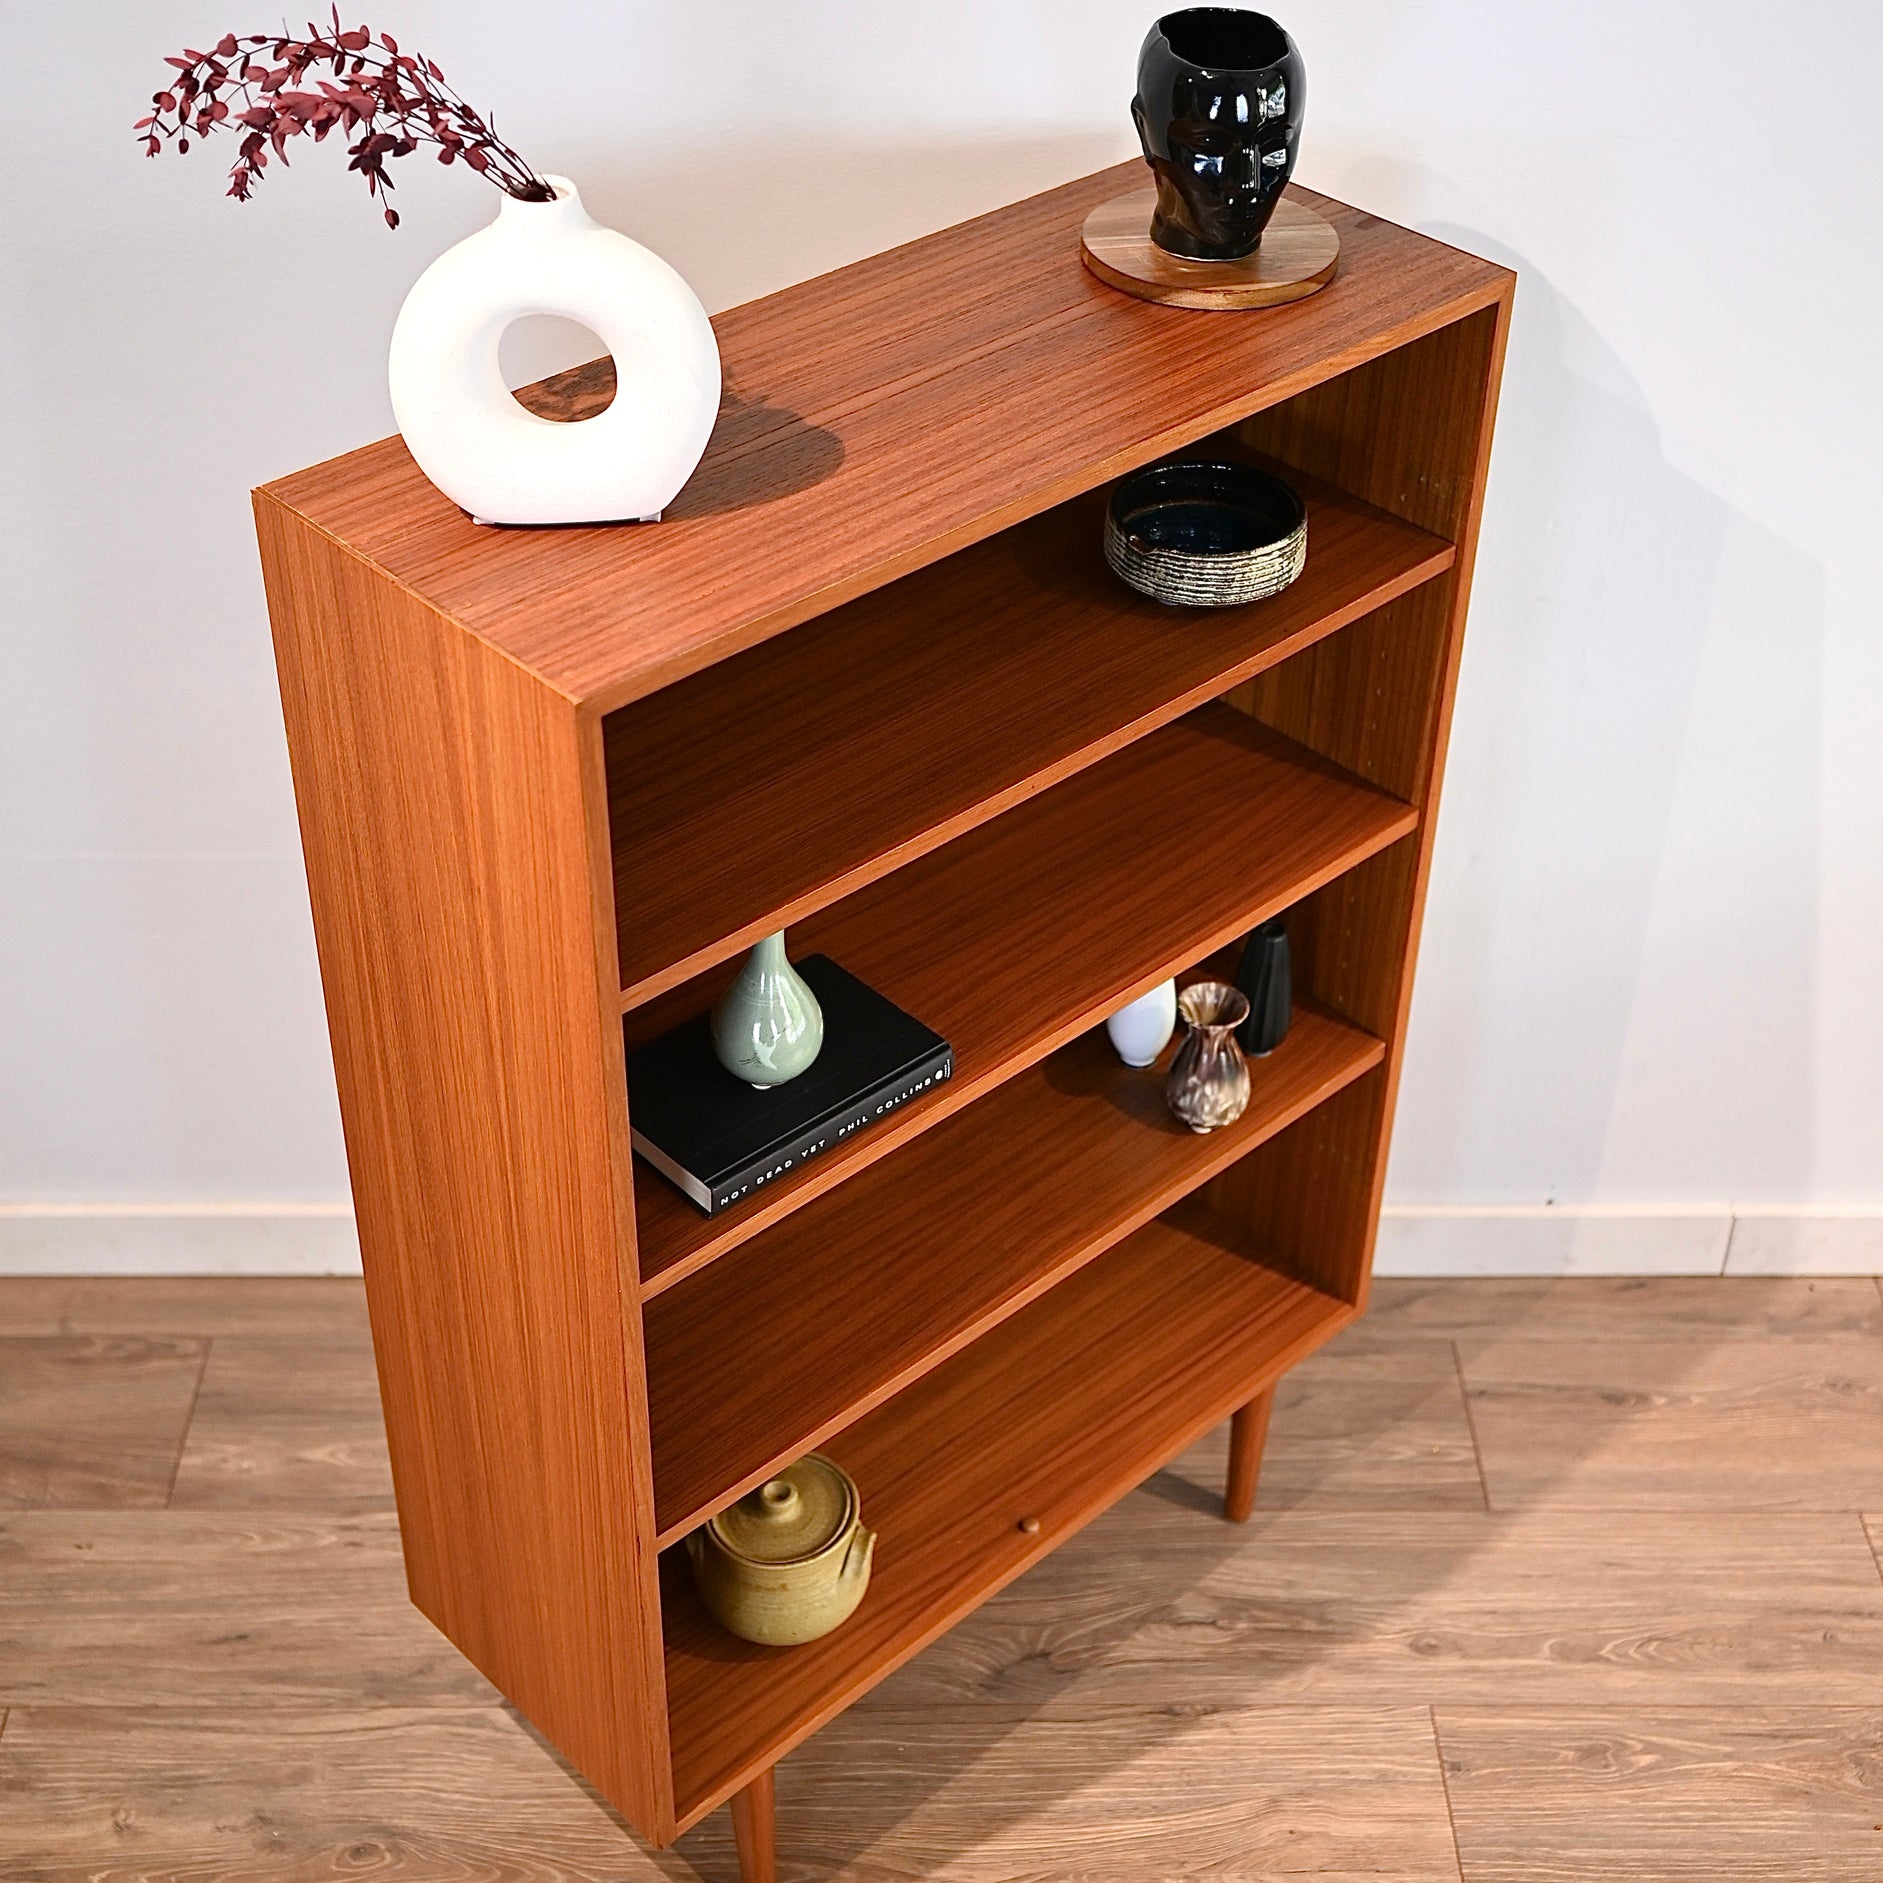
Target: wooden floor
(1547,1581)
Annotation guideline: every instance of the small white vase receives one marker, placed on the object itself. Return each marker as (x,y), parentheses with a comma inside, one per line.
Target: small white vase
(502,463)
(1142,1030)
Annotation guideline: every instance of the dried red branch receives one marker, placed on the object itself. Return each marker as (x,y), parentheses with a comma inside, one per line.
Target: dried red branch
(274,88)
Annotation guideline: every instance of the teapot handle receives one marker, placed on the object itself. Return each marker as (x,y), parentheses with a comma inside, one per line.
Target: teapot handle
(856,1559)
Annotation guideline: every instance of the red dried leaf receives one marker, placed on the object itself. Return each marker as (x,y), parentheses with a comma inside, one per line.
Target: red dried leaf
(389,102)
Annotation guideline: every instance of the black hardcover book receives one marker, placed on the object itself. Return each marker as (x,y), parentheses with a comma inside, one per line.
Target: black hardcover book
(718,1139)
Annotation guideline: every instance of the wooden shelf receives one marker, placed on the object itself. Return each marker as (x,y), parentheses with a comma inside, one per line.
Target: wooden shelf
(1051,1416)
(893,724)
(749,1366)
(1023,933)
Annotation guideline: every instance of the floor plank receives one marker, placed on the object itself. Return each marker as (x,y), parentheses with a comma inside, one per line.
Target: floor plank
(1873,1528)
(287,1307)
(204,1608)
(1360,1425)
(1629,1307)
(1619,1425)
(93,1421)
(395,1794)
(1697,1795)
(1544,1607)
(284,1424)
(987,1793)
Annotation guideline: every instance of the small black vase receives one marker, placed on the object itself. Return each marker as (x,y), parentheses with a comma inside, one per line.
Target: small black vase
(1218,111)
(1264,977)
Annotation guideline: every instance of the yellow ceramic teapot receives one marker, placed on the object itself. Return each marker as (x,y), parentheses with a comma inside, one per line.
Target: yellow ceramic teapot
(788,1561)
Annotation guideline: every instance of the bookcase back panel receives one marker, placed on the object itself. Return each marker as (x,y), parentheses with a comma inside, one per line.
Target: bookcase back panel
(1401,431)
(1306,1197)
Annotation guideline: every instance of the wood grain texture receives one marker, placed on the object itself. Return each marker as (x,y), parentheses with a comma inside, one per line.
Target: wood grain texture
(93,1420)
(886,727)
(878,419)
(1248,1432)
(446,688)
(988,1794)
(1612,1308)
(1543,1608)
(325,1308)
(992,1460)
(445,801)
(1296,257)
(216,1609)
(1023,934)
(755,1829)
(399,1794)
(748,1365)
(1663,1425)
(1360,1425)
(284,1423)
(1411,432)
(1676,1795)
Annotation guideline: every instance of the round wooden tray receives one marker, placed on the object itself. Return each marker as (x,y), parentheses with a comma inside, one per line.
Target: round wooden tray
(1298,256)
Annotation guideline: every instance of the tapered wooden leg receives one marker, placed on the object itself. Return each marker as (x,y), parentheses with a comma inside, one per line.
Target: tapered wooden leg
(1247,1431)
(755,1830)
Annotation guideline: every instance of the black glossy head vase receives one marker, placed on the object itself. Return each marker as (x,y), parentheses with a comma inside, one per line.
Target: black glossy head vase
(1218,111)
(1205,535)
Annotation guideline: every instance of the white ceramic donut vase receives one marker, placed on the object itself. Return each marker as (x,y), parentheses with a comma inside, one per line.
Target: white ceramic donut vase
(504,464)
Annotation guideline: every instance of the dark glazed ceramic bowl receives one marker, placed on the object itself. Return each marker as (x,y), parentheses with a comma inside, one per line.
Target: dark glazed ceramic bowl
(1205,535)
(1219,105)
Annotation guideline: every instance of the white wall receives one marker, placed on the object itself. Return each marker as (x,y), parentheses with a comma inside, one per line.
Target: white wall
(1650,974)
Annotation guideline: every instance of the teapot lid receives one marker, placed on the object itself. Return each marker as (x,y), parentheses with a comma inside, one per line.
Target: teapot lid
(803,1511)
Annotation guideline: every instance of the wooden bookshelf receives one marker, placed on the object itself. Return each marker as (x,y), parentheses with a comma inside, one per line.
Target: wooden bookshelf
(962,937)
(870,678)
(1050,1169)
(1049,1418)
(899,722)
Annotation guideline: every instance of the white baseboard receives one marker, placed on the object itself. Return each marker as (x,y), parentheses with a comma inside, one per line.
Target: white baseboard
(1472,1239)
(1805,1242)
(178,1239)
(1427,1240)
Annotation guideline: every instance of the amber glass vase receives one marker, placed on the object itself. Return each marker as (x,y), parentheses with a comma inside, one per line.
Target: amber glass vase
(1209,1080)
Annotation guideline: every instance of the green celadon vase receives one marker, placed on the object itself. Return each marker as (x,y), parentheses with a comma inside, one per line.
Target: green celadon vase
(768,1026)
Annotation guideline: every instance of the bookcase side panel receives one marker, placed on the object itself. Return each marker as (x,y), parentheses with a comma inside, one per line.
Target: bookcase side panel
(443,799)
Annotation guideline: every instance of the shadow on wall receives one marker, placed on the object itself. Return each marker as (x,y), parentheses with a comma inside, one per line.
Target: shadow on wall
(1624,883)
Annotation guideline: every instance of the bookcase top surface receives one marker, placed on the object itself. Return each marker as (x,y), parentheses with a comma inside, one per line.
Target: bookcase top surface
(875,419)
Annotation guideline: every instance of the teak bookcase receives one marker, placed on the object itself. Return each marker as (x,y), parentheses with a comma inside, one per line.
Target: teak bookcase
(872,679)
